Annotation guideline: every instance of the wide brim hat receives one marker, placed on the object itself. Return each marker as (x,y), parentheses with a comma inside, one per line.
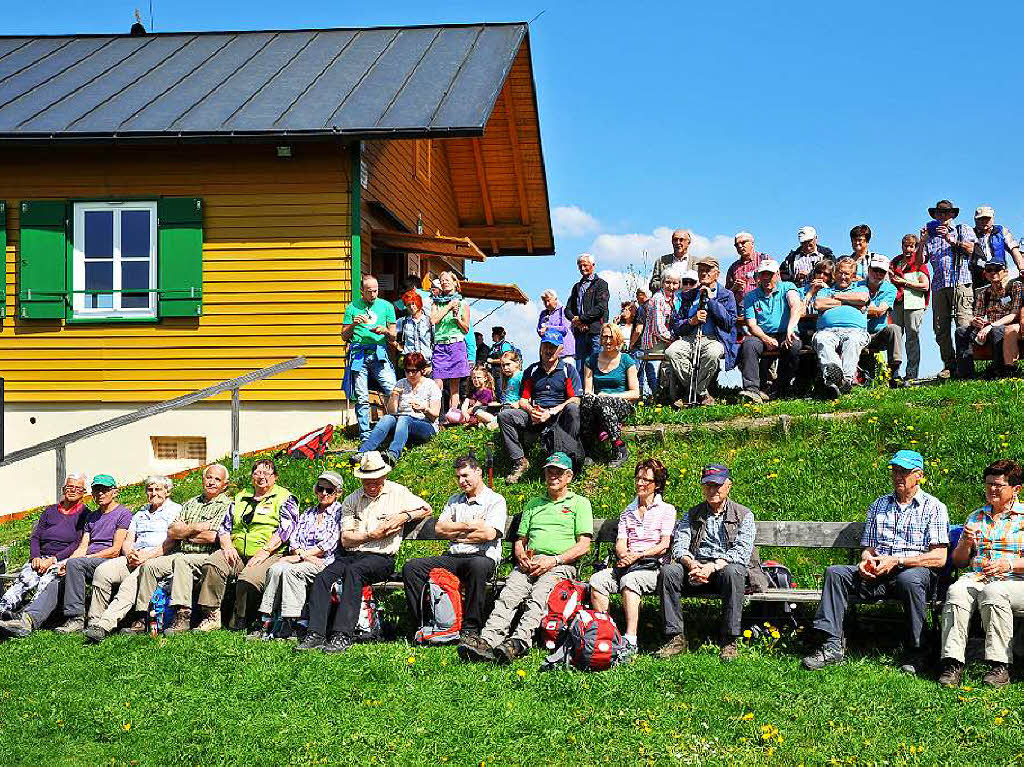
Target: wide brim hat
(371,466)
(944,205)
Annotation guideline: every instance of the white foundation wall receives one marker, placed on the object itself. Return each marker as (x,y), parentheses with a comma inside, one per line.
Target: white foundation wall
(128,452)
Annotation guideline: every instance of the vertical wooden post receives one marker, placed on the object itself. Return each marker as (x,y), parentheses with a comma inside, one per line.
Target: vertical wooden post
(235,406)
(60,452)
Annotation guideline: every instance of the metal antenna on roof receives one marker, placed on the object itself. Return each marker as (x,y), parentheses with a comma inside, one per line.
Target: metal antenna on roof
(538,16)
(152,26)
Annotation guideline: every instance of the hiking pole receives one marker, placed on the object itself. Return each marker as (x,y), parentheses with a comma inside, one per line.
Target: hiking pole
(489,462)
(695,359)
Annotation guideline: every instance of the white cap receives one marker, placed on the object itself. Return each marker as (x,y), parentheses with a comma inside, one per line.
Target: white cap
(690,274)
(985,211)
(806,233)
(878,261)
(768,265)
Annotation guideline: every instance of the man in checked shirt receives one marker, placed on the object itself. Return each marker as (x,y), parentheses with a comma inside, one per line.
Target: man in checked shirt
(905,542)
(993,545)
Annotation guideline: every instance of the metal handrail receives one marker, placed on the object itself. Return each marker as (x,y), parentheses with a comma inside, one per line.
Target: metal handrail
(59,444)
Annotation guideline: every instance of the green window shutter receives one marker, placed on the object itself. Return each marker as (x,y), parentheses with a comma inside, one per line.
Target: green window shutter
(3,258)
(43,259)
(180,259)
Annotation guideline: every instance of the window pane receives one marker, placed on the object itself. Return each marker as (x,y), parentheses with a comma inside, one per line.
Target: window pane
(135,234)
(134,275)
(99,276)
(99,234)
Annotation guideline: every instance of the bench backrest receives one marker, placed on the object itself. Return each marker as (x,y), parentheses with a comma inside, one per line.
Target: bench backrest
(812,535)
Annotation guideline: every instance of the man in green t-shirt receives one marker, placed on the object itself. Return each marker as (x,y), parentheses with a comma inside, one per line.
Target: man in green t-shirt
(554,533)
(368,324)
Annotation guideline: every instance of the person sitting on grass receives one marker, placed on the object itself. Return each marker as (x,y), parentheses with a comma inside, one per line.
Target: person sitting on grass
(992,545)
(645,530)
(55,536)
(474,521)
(372,520)
(473,410)
(996,322)
(195,534)
(499,346)
(512,370)
(311,548)
(554,533)
(712,552)
(102,538)
(260,522)
(147,539)
(842,328)
(771,311)
(905,542)
(413,407)
(550,398)
(611,388)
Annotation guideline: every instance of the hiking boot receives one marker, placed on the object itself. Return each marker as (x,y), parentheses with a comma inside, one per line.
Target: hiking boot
(629,651)
(473,649)
(72,626)
(355,459)
(952,673)
(829,653)
(17,627)
(729,652)
(707,400)
(945,374)
(182,621)
(620,457)
(751,395)
(6,615)
(138,626)
(832,379)
(677,645)
(95,633)
(313,641)
(518,470)
(211,621)
(262,634)
(510,650)
(998,675)
(337,644)
(914,662)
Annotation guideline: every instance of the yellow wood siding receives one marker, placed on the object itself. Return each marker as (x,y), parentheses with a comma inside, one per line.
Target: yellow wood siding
(276,268)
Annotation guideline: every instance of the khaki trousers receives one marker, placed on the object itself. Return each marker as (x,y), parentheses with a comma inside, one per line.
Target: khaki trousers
(105,609)
(248,587)
(287,583)
(522,590)
(184,570)
(680,356)
(996,601)
(949,304)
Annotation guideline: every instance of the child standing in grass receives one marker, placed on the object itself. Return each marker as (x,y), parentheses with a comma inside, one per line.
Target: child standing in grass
(473,410)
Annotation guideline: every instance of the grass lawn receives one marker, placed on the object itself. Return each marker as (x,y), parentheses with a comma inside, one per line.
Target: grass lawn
(218,699)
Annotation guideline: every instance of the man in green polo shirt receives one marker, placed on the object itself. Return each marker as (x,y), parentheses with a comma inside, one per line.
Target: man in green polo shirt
(368,324)
(554,533)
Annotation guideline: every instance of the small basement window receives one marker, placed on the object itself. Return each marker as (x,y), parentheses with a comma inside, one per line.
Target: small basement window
(115,260)
(179,448)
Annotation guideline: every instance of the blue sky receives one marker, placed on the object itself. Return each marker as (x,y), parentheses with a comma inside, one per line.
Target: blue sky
(715,116)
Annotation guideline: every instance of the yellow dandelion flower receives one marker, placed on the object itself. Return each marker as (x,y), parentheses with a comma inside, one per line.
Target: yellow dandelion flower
(126,726)
(411,659)
(521,673)
(998,720)
(747,634)
(748,716)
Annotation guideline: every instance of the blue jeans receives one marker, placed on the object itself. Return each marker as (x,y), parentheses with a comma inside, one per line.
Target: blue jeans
(588,345)
(384,375)
(405,427)
(648,378)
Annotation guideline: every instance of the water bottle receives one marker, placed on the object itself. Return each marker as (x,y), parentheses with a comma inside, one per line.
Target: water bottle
(157,608)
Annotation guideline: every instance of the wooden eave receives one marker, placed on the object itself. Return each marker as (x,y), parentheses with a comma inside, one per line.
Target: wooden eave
(493,291)
(434,245)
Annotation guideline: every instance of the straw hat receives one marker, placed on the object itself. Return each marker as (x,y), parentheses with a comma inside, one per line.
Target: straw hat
(371,466)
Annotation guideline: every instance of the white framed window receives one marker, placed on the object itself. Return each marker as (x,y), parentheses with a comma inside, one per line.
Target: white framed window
(115,250)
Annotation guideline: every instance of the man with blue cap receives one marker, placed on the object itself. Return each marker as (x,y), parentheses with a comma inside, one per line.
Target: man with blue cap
(549,399)
(905,542)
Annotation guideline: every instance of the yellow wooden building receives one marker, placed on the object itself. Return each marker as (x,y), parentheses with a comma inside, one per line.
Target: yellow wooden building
(180,209)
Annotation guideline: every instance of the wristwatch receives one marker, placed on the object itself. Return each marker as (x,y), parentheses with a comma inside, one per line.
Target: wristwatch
(902,563)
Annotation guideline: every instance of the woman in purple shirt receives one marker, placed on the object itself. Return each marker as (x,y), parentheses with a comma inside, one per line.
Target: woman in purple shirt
(55,536)
(312,545)
(552,317)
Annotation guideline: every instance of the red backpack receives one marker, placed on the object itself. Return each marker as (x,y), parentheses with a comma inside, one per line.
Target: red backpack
(565,600)
(368,626)
(312,445)
(441,605)
(591,643)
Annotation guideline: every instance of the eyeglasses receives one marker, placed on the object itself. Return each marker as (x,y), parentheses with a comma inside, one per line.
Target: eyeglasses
(994,486)
(413,371)
(73,489)
(100,490)
(645,480)
(322,489)
(263,474)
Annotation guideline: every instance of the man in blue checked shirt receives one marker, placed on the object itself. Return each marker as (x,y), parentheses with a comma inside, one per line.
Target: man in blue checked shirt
(948,248)
(905,542)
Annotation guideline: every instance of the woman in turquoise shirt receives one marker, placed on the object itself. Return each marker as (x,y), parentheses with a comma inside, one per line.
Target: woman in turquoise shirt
(611,387)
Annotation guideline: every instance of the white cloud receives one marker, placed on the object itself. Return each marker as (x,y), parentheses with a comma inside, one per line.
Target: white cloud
(638,251)
(520,323)
(573,221)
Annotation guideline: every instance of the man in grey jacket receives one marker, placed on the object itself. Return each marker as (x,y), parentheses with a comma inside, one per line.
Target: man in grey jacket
(712,552)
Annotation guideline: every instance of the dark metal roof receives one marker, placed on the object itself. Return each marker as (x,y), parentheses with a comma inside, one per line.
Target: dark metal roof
(401,81)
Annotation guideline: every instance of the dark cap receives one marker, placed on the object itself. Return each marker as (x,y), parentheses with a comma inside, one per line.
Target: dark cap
(714,473)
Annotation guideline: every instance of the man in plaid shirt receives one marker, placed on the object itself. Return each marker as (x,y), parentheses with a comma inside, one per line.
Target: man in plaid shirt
(993,545)
(948,248)
(996,322)
(905,542)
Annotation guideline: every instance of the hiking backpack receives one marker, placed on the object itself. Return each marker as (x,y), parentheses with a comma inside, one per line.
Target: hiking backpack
(565,600)
(312,445)
(591,643)
(781,613)
(441,605)
(368,626)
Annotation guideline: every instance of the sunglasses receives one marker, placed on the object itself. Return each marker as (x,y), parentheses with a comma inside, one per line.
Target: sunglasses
(100,490)
(322,489)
